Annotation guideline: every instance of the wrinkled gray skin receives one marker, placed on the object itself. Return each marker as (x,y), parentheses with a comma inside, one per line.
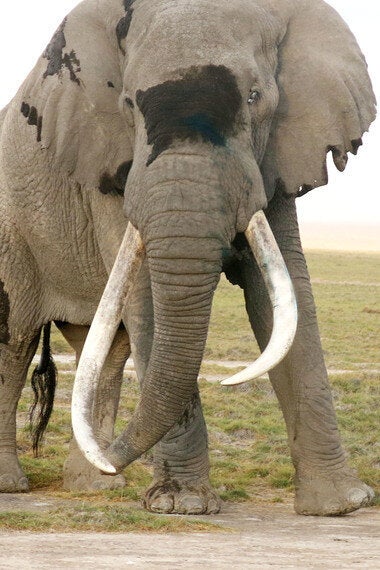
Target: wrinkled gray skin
(225,107)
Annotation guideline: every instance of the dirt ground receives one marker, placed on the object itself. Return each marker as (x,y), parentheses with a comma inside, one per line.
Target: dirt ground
(254,537)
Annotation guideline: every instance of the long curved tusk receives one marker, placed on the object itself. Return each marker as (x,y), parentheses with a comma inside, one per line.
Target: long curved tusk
(98,343)
(281,293)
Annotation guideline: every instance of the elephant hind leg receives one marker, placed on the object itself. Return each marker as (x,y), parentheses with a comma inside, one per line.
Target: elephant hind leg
(78,473)
(14,363)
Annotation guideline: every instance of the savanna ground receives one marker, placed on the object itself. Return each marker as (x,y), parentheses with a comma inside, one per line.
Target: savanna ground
(248,448)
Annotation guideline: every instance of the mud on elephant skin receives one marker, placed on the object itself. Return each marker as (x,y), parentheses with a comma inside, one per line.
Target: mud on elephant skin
(154,134)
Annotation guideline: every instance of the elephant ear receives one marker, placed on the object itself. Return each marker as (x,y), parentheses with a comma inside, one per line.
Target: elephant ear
(72,96)
(326,98)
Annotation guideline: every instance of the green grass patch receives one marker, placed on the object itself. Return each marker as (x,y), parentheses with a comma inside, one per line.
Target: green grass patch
(350,333)
(230,336)
(344,266)
(348,305)
(99,518)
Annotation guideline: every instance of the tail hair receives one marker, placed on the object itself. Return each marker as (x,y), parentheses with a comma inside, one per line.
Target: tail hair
(44,380)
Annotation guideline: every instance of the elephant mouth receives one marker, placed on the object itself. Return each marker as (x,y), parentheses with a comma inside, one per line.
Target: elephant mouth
(115,298)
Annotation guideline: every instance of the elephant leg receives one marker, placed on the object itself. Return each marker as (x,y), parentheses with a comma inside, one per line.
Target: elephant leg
(325,485)
(78,473)
(15,359)
(181,468)
(181,465)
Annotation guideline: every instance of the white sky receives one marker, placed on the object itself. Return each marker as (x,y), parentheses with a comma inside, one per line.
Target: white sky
(26,27)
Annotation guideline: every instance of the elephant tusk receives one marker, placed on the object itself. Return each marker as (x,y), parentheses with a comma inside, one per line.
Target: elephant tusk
(282,296)
(98,343)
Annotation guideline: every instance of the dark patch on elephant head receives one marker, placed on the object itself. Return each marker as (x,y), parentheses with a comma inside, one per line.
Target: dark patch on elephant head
(203,105)
(33,116)
(25,109)
(4,315)
(58,59)
(124,23)
(129,102)
(34,119)
(54,50)
(115,184)
(110,84)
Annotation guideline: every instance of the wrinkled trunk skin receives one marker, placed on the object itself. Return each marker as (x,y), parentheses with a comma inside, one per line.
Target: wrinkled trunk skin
(182,306)
(184,233)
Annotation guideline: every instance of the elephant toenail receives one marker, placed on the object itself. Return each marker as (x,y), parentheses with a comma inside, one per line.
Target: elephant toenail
(23,485)
(191,504)
(162,504)
(358,496)
(213,506)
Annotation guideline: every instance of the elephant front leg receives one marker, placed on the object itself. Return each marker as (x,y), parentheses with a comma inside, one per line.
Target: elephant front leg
(181,482)
(325,485)
(14,363)
(78,473)
(181,468)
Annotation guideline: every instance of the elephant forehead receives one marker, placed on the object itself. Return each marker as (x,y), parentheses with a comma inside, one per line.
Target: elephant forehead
(204,105)
(166,32)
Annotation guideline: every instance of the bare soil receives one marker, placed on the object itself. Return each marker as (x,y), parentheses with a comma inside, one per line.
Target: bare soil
(252,537)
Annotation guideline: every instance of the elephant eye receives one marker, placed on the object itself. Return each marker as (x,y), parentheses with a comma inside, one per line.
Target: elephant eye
(254,96)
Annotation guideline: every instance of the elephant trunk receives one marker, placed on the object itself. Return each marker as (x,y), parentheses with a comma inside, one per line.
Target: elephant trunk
(182,289)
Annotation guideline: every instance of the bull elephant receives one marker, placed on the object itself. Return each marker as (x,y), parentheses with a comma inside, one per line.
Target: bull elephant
(168,127)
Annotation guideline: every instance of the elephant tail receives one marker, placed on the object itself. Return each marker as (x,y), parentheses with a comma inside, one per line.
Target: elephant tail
(44,379)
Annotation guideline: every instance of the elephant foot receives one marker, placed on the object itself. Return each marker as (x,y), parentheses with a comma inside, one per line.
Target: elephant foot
(12,478)
(183,498)
(338,494)
(80,475)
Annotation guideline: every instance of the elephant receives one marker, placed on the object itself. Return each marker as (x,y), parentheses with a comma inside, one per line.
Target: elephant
(154,146)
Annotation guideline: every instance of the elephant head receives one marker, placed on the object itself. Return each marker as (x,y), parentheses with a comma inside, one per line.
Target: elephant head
(223,103)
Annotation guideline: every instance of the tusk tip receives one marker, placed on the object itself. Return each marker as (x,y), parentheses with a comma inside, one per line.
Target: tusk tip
(98,460)
(109,470)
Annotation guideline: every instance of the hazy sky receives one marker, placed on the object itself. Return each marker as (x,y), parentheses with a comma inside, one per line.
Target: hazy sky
(26,27)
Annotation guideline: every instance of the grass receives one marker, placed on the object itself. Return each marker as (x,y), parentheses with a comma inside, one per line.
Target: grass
(344,266)
(348,303)
(230,335)
(99,518)
(248,446)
